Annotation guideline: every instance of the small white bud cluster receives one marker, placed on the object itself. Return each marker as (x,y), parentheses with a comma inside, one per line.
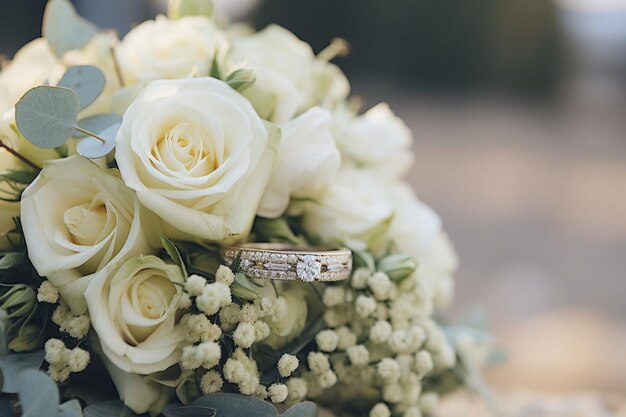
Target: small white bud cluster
(75,326)
(47,293)
(64,361)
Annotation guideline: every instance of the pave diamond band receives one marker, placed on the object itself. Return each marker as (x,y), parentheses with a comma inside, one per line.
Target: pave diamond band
(284,262)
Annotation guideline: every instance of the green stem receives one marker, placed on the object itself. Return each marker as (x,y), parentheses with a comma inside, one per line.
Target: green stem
(116,65)
(88,133)
(19,156)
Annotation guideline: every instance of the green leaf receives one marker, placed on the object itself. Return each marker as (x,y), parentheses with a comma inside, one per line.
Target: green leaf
(97,123)
(303,409)
(86,80)
(189,411)
(46,116)
(241,79)
(215,71)
(10,260)
(64,29)
(243,288)
(13,365)
(236,405)
(38,393)
(179,8)
(363,259)
(94,148)
(173,253)
(275,230)
(113,408)
(70,409)
(20,176)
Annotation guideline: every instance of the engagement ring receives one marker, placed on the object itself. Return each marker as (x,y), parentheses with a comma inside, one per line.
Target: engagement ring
(286,262)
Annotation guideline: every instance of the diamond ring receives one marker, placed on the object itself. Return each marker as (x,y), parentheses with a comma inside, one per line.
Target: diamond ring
(285,262)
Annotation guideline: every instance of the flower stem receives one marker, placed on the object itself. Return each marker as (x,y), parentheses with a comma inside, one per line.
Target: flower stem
(88,133)
(116,65)
(337,47)
(19,156)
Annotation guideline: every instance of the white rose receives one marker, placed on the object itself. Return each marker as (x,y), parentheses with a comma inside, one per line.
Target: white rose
(77,218)
(168,49)
(307,163)
(133,307)
(352,211)
(8,209)
(289,77)
(377,140)
(416,231)
(198,156)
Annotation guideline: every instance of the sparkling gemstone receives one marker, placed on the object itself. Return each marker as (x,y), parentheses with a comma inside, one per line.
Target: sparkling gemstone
(277,267)
(308,269)
(245,264)
(335,267)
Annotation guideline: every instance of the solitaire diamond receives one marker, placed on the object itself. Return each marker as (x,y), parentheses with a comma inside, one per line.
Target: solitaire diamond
(308,269)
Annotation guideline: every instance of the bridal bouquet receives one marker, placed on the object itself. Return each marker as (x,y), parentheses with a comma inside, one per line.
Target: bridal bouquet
(196,220)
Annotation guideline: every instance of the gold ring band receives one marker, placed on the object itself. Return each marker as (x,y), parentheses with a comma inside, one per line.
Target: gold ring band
(287,262)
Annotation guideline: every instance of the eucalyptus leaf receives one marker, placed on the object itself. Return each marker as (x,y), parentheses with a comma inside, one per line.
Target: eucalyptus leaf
(113,408)
(86,80)
(13,365)
(5,407)
(46,116)
(64,29)
(180,8)
(189,411)
(236,405)
(10,260)
(303,409)
(97,123)
(38,393)
(70,409)
(173,253)
(94,148)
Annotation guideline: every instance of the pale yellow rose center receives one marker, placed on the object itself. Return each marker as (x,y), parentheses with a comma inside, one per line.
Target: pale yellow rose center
(85,223)
(184,149)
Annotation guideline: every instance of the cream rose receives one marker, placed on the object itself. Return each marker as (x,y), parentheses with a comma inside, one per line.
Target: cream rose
(290,79)
(77,218)
(416,231)
(307,163)
(169,49)
(351,211)
(133,307)
(198,156)
(377,140)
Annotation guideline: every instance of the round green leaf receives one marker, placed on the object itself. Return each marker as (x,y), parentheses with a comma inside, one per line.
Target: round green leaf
(94,148)
(13,365)
(46,116)
(86,80)
(97,123)
(64,28)
(38,394)
(236,405)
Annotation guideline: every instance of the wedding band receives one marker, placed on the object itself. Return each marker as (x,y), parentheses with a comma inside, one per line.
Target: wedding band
(286,262)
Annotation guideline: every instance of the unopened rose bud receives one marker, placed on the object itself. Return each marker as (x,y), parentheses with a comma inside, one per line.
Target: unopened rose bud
(29,338)
(397,267)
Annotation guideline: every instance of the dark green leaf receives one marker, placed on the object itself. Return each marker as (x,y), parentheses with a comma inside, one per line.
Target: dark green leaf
(13,365)
(215,71)
(304,409)
(243,288)
(86,80)
(38,393)
(236,405)
(70,409)
(64,28)
(189,411)
(173,253)
(20,176)
(11,260)
(46,116)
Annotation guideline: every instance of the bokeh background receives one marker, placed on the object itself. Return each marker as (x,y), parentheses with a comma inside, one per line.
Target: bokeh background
(518,108)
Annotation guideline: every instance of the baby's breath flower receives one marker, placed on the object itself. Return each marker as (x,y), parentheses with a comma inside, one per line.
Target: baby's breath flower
(380,331)
(184,302)
(347,339)
(327,379)
(412,412)
(47,293)
(389,370)
(380,285)
(278,392)
(397,341)
(229,316)
(75,326)
(244,335)
(358,355)
(364,306)
(415,337)
(333,296)
(336,316)
(78,360)
(261,330)
(55,352)
(393,393)
(225,275)
(261,392)
(248,313)
(297,389)
(380,410)
(428,402)
(359,278)
(200,328)
(214,296)
(195,285)
(318,362)
(59,374)
(264,306)
(211,382)
(211,353)
(445,358)
(327,340)
(287,364)
(423,362)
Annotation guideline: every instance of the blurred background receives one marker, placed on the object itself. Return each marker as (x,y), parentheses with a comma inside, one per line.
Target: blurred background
(518,108)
